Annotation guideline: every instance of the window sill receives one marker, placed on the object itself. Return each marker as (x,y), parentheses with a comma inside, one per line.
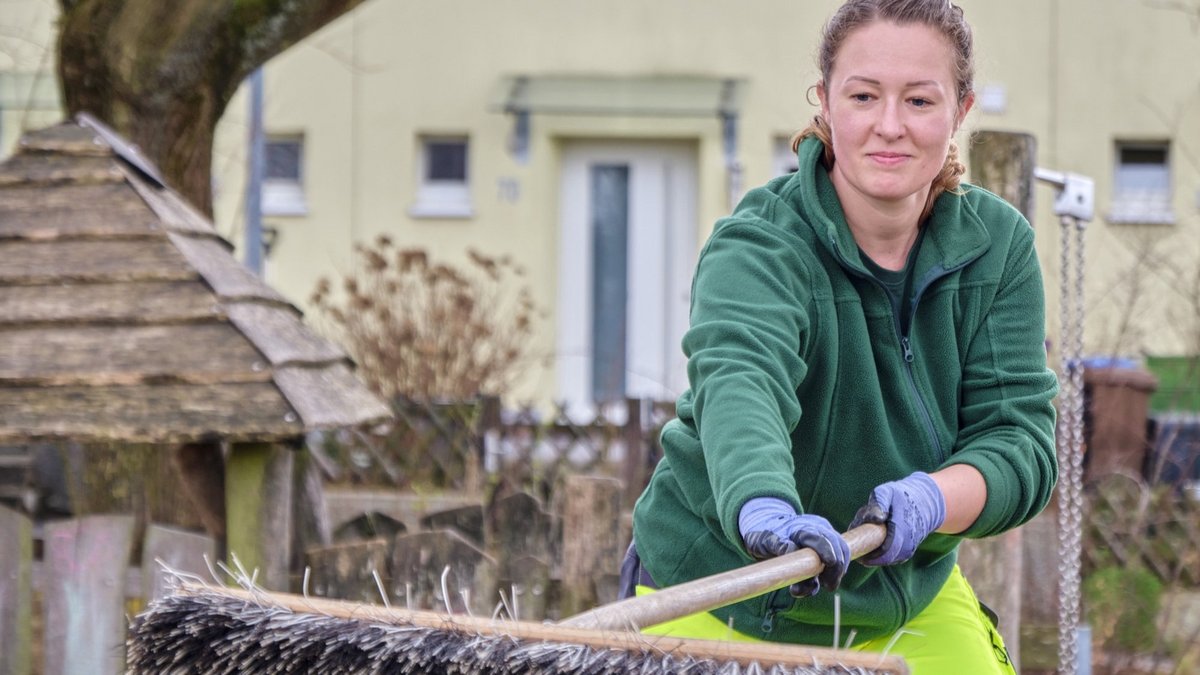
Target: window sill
(294,210)
(442,211)
(1144,218)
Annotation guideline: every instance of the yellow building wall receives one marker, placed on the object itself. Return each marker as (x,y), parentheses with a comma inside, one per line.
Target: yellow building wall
(1078,74)
(28,89)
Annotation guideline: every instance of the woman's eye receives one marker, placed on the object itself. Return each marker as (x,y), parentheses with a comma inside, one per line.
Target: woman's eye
(921,102)
(861,98)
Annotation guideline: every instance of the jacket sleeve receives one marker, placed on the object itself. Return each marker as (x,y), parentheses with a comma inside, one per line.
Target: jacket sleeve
(744,366)
(1007,414)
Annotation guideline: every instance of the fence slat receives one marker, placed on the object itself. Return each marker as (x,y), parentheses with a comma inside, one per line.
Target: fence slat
(347,572)
(84,567)
(418,562)
(16,595)
(179,550)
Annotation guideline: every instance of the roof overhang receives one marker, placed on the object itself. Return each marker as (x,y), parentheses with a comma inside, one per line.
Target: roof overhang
(634,95)
(522,96)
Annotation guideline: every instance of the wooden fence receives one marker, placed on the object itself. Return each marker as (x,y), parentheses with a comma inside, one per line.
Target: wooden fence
(66,610)
(471,445)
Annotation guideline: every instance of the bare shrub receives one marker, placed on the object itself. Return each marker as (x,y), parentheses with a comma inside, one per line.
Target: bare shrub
(431,331)
(431,338)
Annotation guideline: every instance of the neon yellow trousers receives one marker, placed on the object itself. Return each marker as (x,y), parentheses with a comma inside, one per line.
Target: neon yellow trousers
(951,636)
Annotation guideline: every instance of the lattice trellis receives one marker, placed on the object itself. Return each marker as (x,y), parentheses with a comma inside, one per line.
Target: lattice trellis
(1133,524)
(463,444)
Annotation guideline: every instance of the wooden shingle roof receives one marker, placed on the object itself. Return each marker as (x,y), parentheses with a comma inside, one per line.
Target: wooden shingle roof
(124,316)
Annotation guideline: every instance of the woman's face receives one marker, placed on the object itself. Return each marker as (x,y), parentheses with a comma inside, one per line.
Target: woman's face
(892,106)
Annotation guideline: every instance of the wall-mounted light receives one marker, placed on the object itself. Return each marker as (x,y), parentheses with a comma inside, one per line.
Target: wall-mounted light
(270,234)
(518,139)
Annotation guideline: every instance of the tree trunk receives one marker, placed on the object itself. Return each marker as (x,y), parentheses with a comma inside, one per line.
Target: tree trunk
(161,73)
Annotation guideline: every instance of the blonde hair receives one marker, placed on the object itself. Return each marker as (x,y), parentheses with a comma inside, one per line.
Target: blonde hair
(940,15)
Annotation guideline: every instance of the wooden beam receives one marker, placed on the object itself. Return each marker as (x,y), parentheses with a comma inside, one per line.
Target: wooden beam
(16,594)
(258,511)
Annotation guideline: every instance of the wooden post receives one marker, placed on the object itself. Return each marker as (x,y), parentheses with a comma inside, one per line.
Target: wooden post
(310,513)
(634,473)
(16,593)
(591,548)
(84,563)
(487,433)
(258,507)
(1002,162)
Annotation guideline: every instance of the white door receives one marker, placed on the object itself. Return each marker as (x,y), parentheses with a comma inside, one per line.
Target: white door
(627,249)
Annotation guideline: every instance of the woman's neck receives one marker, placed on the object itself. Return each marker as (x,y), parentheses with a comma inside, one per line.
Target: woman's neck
(885,231)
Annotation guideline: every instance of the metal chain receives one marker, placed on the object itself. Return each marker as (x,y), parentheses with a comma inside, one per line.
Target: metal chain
(1070,444)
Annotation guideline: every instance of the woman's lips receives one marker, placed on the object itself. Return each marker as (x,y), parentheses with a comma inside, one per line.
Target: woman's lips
(887,158)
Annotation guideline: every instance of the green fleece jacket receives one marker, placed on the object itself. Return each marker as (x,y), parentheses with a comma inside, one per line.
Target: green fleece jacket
(805,387)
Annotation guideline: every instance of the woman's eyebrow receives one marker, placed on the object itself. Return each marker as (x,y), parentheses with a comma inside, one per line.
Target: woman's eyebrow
(914,83)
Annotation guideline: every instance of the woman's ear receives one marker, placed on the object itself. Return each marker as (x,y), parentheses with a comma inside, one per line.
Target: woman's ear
(963,109)
(822,98)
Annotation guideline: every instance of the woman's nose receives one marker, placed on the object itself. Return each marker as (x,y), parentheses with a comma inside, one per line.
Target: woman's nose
(890,123)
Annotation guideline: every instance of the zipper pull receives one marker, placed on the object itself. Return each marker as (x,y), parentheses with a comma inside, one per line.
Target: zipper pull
(908,353)
(768,623)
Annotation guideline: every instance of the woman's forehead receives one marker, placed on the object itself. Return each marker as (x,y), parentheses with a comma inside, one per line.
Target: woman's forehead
(891,53)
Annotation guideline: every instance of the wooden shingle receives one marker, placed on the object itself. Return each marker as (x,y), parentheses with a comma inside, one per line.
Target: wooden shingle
(125,317)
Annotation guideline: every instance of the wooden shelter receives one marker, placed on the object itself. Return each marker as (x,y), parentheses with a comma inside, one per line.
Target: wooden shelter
(124,317)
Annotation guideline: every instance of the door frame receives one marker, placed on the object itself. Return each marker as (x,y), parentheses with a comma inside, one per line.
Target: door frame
(661,253)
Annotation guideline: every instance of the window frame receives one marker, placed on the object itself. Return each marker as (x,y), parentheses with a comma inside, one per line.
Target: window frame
(284,196)
(442,198)
(1133,204)
(783,160)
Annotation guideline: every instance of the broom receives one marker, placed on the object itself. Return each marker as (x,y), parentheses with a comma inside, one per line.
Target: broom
(210,629)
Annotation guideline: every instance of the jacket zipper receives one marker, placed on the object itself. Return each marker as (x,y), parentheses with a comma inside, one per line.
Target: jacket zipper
(774,607)
(909,357)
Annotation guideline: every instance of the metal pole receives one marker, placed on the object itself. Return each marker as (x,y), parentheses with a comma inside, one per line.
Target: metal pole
(254,171)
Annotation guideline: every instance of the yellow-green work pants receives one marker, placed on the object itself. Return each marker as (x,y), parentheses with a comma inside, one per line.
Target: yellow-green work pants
(951,636)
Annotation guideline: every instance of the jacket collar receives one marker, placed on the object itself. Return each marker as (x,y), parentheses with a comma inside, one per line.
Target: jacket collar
(956,234)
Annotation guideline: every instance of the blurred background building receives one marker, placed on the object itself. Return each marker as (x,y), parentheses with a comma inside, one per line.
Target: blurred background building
(597,142)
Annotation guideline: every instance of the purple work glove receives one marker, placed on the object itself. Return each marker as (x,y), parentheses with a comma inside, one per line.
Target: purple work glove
(770,527)
(911,507)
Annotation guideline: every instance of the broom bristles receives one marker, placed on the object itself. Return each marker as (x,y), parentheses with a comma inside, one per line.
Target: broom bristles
(218,630)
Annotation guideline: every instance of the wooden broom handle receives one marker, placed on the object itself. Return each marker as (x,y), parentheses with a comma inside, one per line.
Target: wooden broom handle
(719,590)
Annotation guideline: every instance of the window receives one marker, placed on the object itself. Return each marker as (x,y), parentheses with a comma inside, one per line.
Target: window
(283,184)
(1142,184)
(443,190)
(783,160)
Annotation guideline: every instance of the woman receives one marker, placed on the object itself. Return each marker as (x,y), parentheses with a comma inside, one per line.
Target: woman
(866,345)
